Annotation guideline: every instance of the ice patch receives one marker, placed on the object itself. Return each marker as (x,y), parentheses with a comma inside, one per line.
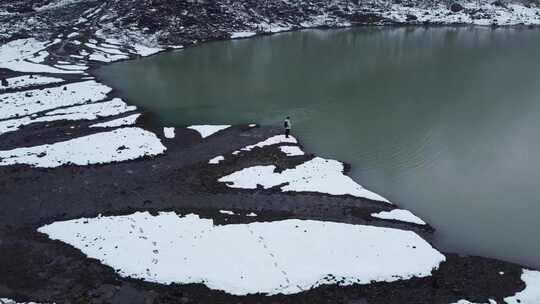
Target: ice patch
(317,175)
(399,215)
(207,130)
(114,146)
(288,256)
(531,293)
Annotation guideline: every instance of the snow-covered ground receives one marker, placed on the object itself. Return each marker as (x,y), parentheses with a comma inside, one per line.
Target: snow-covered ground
(399,215)
(475,12)
(316,175)
(106,147)
(286,256)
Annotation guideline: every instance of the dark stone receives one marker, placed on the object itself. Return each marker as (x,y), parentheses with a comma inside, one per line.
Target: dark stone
(499,3)
(456,7)
(5,83)
(411,17)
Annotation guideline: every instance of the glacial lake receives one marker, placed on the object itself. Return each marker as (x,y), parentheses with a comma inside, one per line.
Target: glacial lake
(444,121)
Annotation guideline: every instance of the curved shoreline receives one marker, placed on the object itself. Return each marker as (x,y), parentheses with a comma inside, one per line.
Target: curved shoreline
(181,180)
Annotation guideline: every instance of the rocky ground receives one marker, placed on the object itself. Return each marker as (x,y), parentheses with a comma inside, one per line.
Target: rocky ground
(71,148)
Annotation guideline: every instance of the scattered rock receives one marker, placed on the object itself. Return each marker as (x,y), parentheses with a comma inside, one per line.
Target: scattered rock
(456,7)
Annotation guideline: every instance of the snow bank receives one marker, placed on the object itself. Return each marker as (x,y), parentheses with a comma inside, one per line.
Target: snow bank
(119,122)
(33,101)
(26,55)
(207,130)
(399,215)
(291,150)
(317,175)
(286,257)
(531,293)
(28,81)
(114,146)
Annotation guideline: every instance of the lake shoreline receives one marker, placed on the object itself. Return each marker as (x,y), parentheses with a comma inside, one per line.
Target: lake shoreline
(37,268)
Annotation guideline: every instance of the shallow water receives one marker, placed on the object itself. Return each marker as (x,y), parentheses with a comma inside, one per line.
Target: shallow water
(442,121)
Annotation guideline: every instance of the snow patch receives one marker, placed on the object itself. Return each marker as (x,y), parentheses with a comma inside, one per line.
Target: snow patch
(288,256)
(29,81)
(216,160)
(291,150)
(33,101)
(316,175)
(119,122)
(467,302)
(274,140)
(83,112)
(531,293)
(169,133)
(399,215)
(244,34)
(226,212)
(114,146)
(207,130)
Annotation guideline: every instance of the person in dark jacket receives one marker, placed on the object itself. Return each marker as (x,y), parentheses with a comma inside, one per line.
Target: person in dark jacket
(287,124)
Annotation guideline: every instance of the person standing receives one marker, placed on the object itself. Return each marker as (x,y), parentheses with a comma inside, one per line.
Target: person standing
(287,124)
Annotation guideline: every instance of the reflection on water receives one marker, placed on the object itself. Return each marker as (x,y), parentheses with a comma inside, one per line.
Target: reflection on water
(443,121)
